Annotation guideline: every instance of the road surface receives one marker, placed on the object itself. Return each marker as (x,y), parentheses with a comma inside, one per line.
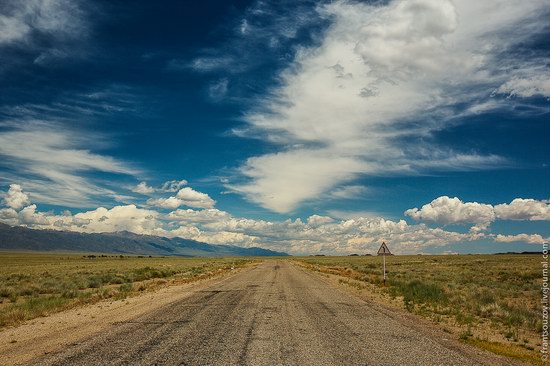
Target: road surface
(274,314)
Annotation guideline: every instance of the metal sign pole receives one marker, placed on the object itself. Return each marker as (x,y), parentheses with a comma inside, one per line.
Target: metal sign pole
(384,256)
(383,251)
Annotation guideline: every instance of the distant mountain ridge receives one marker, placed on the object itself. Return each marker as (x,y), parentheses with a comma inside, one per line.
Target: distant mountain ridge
(124,242)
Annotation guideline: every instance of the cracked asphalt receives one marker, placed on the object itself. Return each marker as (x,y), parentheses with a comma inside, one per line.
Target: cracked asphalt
(274,314)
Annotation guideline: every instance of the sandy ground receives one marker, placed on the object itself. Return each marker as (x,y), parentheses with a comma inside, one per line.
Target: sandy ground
(45,335)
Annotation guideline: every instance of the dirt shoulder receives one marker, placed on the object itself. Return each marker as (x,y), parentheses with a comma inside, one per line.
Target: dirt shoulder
(19,345)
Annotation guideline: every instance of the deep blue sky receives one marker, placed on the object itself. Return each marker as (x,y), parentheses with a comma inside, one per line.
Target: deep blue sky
(171,91)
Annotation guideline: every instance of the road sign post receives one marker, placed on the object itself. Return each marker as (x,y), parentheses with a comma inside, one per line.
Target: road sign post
(383,251)
(384,256)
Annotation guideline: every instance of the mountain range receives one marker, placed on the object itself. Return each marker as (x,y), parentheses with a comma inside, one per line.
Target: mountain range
(124,242)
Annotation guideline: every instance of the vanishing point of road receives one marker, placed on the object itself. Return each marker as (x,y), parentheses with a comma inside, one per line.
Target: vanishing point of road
(274,314)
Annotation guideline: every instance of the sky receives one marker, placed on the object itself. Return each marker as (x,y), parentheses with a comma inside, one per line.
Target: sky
(310,127)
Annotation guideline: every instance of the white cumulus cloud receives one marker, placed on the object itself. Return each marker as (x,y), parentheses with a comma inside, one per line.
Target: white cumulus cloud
(190,197)
(119,218)
(16,198)
(316,234)
(524,209)
(446,210)
(525,238)
(186,196)
(143,188)
(170,202)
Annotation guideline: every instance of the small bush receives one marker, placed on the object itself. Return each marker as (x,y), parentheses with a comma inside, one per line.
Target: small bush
(417,292)
(69,294)
(94,282)
(34,307)
(6,292)
(126,287)
(466,334)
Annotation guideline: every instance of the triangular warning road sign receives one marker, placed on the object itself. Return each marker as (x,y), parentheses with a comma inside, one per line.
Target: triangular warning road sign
(384,249)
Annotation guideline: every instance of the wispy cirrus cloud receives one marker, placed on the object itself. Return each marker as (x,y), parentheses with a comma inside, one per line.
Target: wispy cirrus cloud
(204,64)
(46,30)
(60,19)
(55,149)
(218,90)
(95,103)
(537,84)
(349,192)
(260,38)
(53,160)
(368,98)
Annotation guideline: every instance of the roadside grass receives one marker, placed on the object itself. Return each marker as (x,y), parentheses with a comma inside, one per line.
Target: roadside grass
(491,301)
(512,351)
(34,285)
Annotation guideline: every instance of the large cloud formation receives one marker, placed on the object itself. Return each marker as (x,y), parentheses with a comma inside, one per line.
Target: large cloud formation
(316,234)
(445,210)
(382,77)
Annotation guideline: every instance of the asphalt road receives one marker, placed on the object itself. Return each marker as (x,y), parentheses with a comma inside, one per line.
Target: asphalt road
(275,314)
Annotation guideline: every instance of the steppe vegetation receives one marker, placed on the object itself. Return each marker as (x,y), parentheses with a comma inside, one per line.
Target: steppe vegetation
(33,285)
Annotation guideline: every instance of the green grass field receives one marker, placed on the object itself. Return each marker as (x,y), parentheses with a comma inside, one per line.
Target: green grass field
(492,301)
(33,285)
